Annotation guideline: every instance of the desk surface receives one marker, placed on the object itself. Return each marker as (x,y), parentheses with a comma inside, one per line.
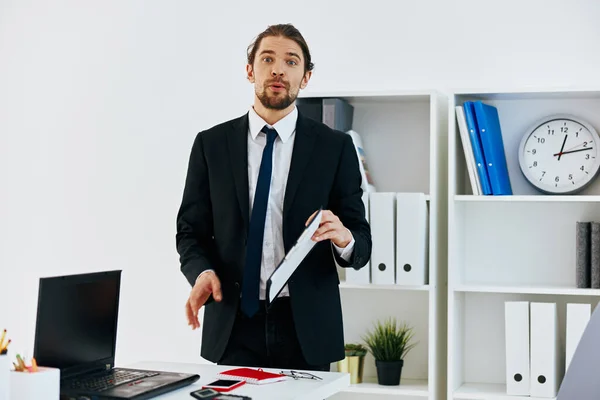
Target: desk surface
(289,389)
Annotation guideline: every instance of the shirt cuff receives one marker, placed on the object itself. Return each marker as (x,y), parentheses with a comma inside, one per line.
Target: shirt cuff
(346,252)
(211,270)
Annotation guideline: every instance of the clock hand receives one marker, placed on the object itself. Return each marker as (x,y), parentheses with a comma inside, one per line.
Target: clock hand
(577,145)
(572,151)
(562,148)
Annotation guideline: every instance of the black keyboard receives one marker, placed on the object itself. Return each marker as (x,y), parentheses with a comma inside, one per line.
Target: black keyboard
(99,383)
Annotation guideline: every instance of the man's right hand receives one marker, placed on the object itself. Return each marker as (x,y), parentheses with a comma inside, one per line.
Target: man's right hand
(206,284)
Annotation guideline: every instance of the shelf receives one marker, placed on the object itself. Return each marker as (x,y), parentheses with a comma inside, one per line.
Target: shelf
(556,290)
(529,198)
(519,247)
(487,391)
(370,286)
(379,95)
(525,93)
(407,387)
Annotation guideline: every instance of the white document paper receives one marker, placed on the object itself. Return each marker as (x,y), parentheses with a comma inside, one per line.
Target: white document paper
(293,258)
(465,138)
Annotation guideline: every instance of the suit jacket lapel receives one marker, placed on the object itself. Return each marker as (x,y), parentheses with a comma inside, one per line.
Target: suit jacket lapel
(303,147)
(237,140)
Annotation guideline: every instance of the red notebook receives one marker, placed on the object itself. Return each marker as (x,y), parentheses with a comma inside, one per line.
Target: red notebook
(250,375)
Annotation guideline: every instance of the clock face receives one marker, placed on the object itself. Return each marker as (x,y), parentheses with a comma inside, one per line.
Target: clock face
(560,155)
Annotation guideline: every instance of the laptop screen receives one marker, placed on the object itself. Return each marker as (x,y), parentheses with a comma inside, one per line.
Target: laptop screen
(77,321)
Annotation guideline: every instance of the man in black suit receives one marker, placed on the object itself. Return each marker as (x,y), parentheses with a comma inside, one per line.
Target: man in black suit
(252,185)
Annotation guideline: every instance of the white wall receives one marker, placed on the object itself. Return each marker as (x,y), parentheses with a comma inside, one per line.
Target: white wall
(100,102)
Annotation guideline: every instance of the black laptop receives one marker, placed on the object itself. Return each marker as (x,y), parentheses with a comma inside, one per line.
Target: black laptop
(76,331)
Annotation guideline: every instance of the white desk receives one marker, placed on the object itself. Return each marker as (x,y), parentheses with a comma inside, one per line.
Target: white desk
(289,389)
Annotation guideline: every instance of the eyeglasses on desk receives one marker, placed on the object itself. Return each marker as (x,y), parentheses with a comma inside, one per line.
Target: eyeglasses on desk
(301,375)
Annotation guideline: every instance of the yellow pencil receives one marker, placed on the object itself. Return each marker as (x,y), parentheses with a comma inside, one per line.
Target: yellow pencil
(5,347)
(2,339)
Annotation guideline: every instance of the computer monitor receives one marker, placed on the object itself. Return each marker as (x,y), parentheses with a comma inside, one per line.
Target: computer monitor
(76,325)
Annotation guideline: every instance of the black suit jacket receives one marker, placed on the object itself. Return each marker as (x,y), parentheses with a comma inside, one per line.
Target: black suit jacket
(213,220)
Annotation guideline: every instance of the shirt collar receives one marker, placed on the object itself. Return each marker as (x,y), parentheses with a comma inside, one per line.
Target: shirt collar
(284,127)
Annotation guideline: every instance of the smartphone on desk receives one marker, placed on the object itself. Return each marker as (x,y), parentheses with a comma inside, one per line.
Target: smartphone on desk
(211,394)
(224,385)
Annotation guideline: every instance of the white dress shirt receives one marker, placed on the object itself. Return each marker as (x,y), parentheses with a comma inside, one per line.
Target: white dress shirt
(273,248)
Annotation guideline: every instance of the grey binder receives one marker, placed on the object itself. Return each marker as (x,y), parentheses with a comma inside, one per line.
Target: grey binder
(595,255)
(583,260)
(334,112)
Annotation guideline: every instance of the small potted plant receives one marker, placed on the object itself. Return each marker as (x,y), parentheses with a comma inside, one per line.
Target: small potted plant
(389,343)
(353,362)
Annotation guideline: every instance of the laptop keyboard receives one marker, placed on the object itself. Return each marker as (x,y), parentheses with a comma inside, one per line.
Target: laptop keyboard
(107,381)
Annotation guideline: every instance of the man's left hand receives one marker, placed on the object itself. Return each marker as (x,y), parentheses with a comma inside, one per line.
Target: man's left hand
(331,228)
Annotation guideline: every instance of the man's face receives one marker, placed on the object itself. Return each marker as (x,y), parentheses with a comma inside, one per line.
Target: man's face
(278,72)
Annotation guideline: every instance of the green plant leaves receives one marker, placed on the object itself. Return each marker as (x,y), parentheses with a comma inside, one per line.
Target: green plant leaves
(390,341)
(355,349)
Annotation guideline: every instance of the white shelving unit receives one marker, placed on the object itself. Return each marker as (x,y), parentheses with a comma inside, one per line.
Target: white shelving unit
(404,136)
(503,248)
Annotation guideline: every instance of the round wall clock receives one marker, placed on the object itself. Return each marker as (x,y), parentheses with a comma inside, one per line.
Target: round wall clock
(559,154)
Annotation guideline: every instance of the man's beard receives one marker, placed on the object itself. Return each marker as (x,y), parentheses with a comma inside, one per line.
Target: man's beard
(277,102)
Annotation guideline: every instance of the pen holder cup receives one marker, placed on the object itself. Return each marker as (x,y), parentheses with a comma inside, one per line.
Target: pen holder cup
(43,384)
(4,377)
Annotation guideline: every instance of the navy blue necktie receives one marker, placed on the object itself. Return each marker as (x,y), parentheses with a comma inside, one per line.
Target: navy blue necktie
(254,245)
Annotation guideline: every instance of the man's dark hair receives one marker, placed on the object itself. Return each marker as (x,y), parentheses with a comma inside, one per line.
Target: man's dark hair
(285,30)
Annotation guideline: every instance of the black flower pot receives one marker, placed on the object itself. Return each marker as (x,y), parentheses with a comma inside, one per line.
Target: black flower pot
(389,372)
